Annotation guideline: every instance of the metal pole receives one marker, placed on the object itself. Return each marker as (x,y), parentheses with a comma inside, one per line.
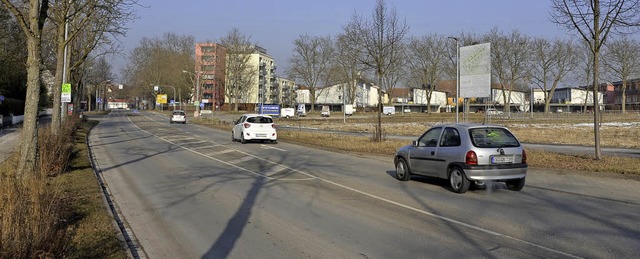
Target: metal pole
(457,77)
(531,100)
(198,94)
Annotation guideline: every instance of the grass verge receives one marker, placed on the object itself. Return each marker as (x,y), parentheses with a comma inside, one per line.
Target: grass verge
(538,159)
(56,212)
(94,234)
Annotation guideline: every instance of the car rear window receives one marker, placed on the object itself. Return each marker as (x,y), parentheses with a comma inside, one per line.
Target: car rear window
(259,120)
(178,113)
(493,138)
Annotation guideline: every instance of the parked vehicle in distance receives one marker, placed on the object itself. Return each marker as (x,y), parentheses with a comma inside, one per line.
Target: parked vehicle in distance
(494,111)
(559,110)
(254,127)
(348,109)
(325,111)
(178,116)
(301,111)
(287,112)
(465,153)
(388,110)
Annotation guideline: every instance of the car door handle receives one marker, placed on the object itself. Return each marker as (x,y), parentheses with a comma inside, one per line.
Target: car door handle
(433,153)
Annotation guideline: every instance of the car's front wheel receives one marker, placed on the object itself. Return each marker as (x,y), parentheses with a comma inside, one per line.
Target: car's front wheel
(515,185)
(458,181)
(402,170)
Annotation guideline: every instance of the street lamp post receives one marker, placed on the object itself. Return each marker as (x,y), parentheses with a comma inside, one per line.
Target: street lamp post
(174,94)
(457,75)
(197,76)
(99,87)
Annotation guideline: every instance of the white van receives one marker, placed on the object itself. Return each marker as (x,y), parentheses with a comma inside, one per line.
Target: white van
(389,110)
(287,112)
(302,111)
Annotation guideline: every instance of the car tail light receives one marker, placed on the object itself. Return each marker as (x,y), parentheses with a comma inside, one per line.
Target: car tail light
(246,125)
(471,158)
(524,156)
(273,126)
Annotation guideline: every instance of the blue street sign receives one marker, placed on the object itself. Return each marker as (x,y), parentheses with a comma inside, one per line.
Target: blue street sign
(201,105)
(1,98)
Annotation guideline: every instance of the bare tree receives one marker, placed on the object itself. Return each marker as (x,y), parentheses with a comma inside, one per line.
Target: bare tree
(80,27)
(622,59)
(428,62)
(31,16)
(594,20)
(311,62)
(509,57)
(550,63)
(347,66)
(160,61)
(381,39)
(240,72)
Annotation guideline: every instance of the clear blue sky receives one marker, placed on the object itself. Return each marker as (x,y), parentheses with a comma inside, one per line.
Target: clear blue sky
(275,24)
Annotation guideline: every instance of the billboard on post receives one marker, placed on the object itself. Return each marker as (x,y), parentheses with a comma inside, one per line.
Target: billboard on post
(66,93)
(161,98)
(475,71)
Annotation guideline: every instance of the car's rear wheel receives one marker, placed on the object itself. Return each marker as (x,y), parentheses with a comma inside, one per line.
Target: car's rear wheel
(402,170)
(242,140)
(515,185)
(458,181)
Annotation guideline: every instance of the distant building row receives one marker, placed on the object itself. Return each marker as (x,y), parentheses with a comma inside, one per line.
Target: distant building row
(210,61)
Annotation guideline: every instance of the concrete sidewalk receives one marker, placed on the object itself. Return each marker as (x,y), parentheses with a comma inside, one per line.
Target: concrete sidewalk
(9,142)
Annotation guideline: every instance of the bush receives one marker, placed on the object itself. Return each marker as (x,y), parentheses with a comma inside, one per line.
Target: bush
(32,206)
(31,224)
(10,105)
(55,151)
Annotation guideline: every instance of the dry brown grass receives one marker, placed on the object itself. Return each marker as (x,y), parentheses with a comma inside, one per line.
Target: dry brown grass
(538,159)
(49,214)
(543,129)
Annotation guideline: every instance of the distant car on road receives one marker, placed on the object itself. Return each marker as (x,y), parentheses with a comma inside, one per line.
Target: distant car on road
(465,153)
(494,111)
(178,116)
(254,127)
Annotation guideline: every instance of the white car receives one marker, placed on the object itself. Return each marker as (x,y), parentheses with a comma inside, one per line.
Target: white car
(493,111)
(254,127)
(178,116)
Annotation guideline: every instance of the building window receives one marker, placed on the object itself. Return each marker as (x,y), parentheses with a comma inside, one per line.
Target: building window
(206,49)
(208,58)
(207,68)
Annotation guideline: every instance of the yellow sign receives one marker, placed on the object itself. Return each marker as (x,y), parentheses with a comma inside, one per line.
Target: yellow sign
(161,98)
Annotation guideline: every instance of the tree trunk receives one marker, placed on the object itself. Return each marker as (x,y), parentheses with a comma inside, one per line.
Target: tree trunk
(378,137)
(56,116)
(29,148)
(624,96)
(596,50)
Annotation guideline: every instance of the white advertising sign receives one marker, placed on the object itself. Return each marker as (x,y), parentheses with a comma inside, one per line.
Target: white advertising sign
(475,71)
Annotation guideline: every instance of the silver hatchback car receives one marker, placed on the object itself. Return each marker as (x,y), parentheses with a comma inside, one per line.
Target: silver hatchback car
(465,153)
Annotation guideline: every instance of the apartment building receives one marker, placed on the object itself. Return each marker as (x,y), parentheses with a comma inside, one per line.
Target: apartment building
(286,92)
(613,95)
(210,67)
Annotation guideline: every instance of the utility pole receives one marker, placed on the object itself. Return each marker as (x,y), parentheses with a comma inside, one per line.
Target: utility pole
(457,75)
(197,86)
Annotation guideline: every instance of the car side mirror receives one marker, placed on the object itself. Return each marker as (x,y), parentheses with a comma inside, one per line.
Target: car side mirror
(414,143)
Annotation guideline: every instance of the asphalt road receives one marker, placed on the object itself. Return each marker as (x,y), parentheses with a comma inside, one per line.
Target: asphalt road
(565,149)
(187,191)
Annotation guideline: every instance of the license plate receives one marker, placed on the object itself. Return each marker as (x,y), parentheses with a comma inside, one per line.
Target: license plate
(501,159)
(261,135)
